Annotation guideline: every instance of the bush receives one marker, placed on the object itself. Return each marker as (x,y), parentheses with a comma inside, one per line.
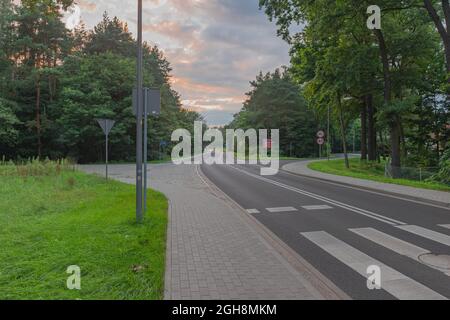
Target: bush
(34,168)
(444,172)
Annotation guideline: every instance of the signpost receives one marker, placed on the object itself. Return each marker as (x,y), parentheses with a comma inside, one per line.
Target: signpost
(152,107)
(267,143)
(320,141)
(106,126)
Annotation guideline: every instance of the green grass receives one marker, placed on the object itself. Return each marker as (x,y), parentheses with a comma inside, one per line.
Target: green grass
(370,171)
(50,222)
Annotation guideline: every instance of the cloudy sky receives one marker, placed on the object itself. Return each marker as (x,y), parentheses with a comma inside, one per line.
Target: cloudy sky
(215,46)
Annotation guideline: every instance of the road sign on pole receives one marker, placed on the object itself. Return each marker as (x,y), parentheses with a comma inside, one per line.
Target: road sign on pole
(267,143)
(106,126)
(152,102)
(151,107)
(321,134)
(146,101)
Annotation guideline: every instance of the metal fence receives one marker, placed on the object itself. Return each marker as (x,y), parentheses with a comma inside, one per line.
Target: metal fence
(410,173)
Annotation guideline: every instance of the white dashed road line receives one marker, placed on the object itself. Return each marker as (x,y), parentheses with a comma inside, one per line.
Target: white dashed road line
(335,203)
(281,209)
(325,207)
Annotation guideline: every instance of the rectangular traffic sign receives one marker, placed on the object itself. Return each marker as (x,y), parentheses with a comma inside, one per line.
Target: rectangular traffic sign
(152,101)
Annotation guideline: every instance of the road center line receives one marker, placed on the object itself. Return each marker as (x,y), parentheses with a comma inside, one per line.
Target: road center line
(360,211)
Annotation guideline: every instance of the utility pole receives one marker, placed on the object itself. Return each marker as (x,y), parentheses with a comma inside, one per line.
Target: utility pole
(146,102)
(328,134)
(139,113)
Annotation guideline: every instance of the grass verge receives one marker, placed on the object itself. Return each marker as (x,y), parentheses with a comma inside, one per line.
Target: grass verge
(370,171)
(48,223)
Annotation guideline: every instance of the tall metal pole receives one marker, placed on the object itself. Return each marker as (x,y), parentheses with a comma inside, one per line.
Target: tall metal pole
(106,157)
(139,80)
(145,148)
(328,134)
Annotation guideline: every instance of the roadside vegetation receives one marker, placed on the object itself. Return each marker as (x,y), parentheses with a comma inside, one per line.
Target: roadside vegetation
(384,92)
(54,83)
(371,171)
(52,217)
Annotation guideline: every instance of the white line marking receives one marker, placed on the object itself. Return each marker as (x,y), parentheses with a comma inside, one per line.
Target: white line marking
(253,211)
(281,209)
(447,226)
(398,197)
(325,207)
(394,282)
(399,246)
(326,200)
(426,233)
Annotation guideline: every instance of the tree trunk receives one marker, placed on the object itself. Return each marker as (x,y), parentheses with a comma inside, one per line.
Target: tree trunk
(395,145)
(371,131)
(38,115)
(394,127)
(444,31)
(364,131)
(344,140)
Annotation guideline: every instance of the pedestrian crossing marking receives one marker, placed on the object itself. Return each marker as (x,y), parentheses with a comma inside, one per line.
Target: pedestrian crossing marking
(428,234)
(253,211)
(447,226)
(394,282)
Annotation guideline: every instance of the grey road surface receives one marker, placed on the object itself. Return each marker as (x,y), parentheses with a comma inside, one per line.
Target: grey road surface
(343,231)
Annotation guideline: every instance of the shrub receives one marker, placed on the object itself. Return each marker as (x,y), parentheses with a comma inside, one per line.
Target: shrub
(444,172)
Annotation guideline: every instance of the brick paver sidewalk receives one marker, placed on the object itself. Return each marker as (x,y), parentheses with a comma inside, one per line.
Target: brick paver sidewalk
(437,197)
(215,253)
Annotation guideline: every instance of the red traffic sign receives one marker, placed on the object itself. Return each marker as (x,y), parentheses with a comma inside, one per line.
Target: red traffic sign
(321,134)
(320,141)
(268,143)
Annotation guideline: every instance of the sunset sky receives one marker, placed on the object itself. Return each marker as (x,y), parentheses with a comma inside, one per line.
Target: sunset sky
(214,46)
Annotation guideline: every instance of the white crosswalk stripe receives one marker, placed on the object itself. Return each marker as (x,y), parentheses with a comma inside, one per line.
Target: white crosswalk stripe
(394,282)
(253,211)
(281,209)
(447,226)
(426,233)
(399,246)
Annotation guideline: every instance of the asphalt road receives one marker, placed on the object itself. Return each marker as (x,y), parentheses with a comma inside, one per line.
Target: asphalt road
(342,231)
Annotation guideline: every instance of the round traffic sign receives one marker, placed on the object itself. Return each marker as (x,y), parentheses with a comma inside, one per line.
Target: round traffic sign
(321,134)
(320,141)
